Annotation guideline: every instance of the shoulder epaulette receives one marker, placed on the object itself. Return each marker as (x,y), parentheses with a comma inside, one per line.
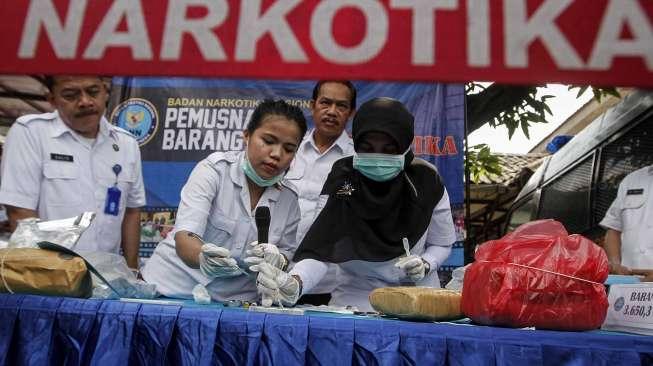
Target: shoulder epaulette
(228,156)
(115,128)
(35,117)
(291,186)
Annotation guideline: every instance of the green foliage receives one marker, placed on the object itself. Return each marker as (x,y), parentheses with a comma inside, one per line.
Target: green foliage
(515,106)
(599,93)
(481,162)
(531,109)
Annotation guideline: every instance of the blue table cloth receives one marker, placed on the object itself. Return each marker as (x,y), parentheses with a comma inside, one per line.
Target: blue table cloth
(36,330)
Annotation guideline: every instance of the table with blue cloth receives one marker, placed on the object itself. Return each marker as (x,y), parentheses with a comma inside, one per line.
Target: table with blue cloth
(38,330)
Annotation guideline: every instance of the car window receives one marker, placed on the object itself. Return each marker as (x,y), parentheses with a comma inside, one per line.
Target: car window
(566,199)
(522,214)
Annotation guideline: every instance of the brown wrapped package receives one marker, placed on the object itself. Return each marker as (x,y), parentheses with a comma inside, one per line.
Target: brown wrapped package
(43,272)
(417,303)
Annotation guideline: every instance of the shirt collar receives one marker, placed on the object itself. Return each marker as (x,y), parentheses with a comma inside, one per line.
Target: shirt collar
(236,172)
(106,128)
(238,178)
(343,142)
(60,127)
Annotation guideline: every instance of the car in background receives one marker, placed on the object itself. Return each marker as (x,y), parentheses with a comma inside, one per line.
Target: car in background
(577,184)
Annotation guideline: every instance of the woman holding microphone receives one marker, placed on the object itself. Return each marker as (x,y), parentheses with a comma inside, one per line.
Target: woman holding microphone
(215,220)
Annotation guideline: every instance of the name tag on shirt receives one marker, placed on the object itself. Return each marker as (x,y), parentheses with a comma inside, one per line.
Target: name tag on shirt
(634,191)
(112,204)
(61,157)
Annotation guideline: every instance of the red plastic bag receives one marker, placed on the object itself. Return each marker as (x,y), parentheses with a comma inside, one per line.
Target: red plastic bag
(538,276)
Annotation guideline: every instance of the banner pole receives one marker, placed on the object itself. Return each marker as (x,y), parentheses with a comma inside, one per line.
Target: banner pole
(468,252)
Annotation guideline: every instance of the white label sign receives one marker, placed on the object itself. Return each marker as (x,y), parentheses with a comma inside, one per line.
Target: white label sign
(631,308)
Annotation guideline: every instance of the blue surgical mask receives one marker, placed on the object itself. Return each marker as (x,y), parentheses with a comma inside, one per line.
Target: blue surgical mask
(257,179)
(379,167)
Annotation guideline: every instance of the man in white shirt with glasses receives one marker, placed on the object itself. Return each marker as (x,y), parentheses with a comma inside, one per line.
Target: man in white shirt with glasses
(60,164)
(332,106)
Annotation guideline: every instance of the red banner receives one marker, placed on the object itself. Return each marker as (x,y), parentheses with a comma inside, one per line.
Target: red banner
(601,42)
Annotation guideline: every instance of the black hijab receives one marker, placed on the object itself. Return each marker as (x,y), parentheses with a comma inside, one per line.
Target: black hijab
(364,219)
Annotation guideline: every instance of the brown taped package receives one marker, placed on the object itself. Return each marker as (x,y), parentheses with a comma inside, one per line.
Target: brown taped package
(417,303)
(43,272)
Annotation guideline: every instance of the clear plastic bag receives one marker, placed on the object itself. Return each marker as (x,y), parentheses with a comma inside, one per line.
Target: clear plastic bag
(63,232)
(457,279)
(115,271)
(26,235)
(201,295)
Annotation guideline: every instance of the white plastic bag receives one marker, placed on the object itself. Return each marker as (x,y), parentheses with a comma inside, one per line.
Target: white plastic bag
(63,232)
(201,295)
(457,279)
(114,269)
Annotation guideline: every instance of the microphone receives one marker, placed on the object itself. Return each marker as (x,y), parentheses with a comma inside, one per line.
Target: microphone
(262,219)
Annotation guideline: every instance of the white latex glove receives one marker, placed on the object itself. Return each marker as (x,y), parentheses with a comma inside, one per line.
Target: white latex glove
(413,266)
(201,295)
(278,285)
(264,252)
(215,262)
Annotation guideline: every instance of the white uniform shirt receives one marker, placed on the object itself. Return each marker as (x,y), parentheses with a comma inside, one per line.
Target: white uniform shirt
(47,167)
(215,205)
(308,173)
(631,213)
(356,279)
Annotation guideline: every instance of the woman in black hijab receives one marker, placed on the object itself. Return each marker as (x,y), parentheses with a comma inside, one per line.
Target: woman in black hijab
(378,199)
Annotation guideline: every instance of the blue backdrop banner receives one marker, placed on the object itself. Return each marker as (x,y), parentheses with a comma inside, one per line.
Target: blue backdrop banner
(180,121)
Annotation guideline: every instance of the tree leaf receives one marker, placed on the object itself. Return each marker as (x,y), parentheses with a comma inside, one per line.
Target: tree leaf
(546,108)
(511,131)
(524,128)
(482,163)
(506,105)
(612,91)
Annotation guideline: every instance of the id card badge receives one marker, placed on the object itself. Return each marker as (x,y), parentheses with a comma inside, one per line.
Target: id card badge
(112,205)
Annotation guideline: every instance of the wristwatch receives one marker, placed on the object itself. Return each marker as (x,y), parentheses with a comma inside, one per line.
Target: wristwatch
(136,272)
(427,267)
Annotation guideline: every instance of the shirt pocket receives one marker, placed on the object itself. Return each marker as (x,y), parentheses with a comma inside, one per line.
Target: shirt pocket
(295,173)
(275,235)
(124,180)
(220,230)
(633,210)
(111,225)
(61,183)
(107,178)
